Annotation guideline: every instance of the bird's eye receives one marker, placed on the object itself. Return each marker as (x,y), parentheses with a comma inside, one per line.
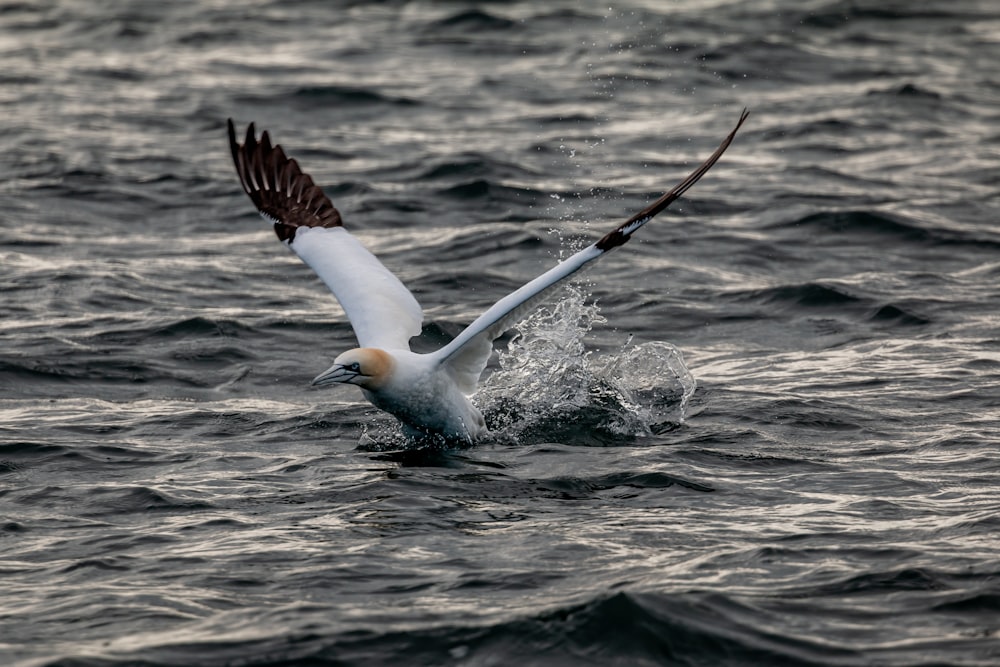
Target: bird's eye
(355,367)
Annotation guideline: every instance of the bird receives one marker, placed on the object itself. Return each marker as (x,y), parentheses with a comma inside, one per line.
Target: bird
(428,393)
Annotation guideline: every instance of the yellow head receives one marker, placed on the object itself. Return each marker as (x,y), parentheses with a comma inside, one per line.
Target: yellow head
(367,367)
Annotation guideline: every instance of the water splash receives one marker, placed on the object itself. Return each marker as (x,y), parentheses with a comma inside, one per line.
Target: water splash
(549,386)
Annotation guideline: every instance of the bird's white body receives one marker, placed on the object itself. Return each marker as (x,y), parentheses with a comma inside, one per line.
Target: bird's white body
(422,395)
(428,393)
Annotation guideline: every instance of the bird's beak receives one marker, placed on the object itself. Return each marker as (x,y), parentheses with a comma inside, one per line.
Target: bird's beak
(336,374)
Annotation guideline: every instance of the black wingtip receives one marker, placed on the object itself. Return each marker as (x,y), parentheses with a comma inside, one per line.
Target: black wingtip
(250,141)
(234,147)
(277,186)
(621,234)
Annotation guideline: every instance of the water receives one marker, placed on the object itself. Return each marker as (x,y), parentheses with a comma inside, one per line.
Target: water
(173,493)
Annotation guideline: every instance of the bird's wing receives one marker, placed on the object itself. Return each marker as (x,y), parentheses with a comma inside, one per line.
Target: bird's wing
(466,356)
(382,311)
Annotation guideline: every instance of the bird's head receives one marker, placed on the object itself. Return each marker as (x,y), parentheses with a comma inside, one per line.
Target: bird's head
(367,367)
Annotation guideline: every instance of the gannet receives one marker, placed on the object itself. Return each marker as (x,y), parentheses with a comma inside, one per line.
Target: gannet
(428,393)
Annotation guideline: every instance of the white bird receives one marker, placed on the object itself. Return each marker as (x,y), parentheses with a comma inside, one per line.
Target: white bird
(428,393)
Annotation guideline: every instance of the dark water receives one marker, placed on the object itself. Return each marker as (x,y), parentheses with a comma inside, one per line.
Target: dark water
(173,493)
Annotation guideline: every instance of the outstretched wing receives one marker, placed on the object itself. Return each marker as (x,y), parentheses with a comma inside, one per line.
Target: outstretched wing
(382,311)
(465,357)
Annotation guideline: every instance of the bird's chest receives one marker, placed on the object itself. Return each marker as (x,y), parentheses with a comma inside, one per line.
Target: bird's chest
(428,402)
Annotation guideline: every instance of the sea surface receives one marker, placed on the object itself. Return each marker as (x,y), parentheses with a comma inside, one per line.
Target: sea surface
(765,432)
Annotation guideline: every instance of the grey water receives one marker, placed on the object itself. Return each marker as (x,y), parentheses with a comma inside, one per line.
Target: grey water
(765,432)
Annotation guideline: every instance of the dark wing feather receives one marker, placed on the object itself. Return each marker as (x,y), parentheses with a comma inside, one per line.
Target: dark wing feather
(624,231)
(278,187)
